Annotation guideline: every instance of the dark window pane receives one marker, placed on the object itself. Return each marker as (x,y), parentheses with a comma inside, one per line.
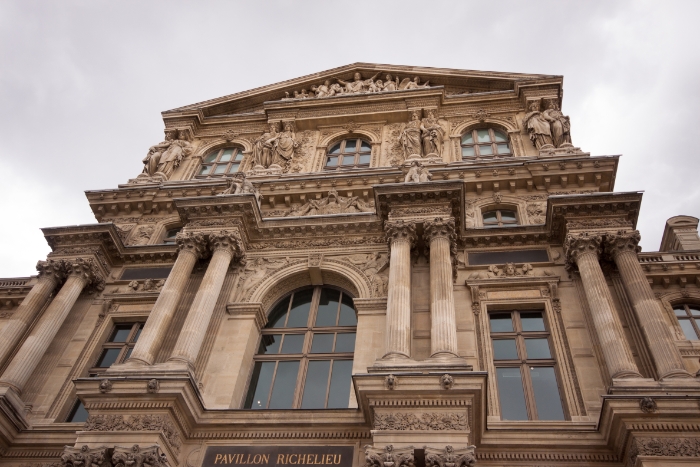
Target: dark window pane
(467,138)
(347,312)
(128,353)
(485,150)
(500,136)
(510,394)
(348,160)
(365,146)
(120,333)
(226,156)
(351,145)
(490,216)
(502,257)
(532,321)
(108,357)
(507,215)
(220,169)
(504,349)
(239,156)
(503,149)
(327,307)
(688,329)
(270,344)
(299,313)
(537,348)
(482,136)
(694,311)
(332,162)
(131,274)
(316,385)
(335,149)
(468,151)
(285,383)
(339,394)
(205,170)
(138,333)
(345,342)
(78,413)
(501,322)
(365,158)
(322,343)
(211,157)
(293,343)
(680,311)
(278,315)
(544,384)
(234,168)
(260,385)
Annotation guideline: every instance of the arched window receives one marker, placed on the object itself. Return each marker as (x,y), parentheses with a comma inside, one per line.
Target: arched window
(349,153)
(170,234)
(485,142)
(500,218)
(305,355)
(689,319)
(221,162)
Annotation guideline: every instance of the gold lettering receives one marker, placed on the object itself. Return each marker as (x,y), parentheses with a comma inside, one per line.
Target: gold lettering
(265,458)
(231,457)
(302,459)
(217,458)
(337,461)
(280,459)
(293,455)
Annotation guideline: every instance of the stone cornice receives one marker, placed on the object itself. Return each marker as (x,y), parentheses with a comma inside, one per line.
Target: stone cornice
(248,310)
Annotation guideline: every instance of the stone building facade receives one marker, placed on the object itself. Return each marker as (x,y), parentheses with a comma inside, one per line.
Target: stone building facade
(371,266)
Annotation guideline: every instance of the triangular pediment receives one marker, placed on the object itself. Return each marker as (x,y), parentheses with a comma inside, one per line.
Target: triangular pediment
(451,82)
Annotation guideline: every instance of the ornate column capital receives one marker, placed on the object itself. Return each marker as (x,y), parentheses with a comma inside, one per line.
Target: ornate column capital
(623,240)
(397,231)
(439,227)
(86,269)
(192,242)
(450,456)
(227,240)
(577,245)
(53,269)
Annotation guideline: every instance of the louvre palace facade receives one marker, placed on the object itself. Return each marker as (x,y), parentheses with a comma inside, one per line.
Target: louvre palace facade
(370,266)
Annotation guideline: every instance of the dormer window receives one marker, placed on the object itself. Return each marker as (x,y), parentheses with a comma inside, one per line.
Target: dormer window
(499,218)
(485,142)
(348,154)
(221,162)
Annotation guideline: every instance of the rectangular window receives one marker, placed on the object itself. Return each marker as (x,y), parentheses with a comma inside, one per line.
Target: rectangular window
(77,414)
(130,274)
(525,366)
(502,257)
(118,347)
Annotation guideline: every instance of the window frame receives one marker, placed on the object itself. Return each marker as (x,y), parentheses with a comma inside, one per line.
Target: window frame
(499,222)
(166,240)
(341,154)
(693,319)
(306,356)
(237,157)
(77,404)
(475,144)
(525,364)
(124,347)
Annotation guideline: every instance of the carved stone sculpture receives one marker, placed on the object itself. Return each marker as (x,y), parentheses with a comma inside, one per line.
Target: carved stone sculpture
(358,86)
(284,146)
(433,135)
(373,265)
(560,127)
(538,127)
(536,213)
(447,381)
(136,456)
(410,137)
(141,236)
(391,382)
(426,421)
(450,457)
(163,158)
(86,457)
(388,457)
(255,271)
(331,204)
(263,147)
(418,173)
(240,185)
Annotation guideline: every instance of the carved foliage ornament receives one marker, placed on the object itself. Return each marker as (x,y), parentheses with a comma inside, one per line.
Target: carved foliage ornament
(227,240)
(397,231)
(55,269)
(450,457)
(135,423)
(86,457)
(195,243)
(576,245)
(388,457)
(430,421)
(622,241)
(671,447)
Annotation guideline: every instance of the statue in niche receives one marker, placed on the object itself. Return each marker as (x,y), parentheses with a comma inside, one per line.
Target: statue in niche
(240,185)
(432,135)
(410,137)
(263,147)
(560,127)
(331,204)
(141,236)
(417,173)
(283,147)
(538,127)
(163,158)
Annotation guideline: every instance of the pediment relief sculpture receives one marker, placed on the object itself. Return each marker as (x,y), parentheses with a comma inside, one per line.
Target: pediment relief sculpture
(256,270)
(358,86)
(509,270)
(141,235)
(163,158)
(375,267)
(331,204)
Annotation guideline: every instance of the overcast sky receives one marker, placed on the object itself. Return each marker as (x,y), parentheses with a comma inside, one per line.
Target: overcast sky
(82,84)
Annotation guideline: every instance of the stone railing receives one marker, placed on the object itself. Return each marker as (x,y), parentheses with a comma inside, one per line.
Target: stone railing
(14,282)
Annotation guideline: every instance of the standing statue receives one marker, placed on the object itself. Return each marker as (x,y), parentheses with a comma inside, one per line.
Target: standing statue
(559,124)
(538,127)
(390,84)
(284,147)
(418,173)
(410,137)
(163,158)
(263,146)
(432,135)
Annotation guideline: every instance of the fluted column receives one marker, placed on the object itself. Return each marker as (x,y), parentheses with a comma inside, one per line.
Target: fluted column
(225,245)
(440,235)
(51,273)
(623,248)
(401,237)
(191,247)
(81,273)
(584,250)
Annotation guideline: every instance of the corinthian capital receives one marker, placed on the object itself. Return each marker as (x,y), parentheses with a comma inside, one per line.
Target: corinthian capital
(85,456)
(86,269)
(227,240)
(462,457)
(397,231)
(439,227)
(622,241)
(577,245)
(52,269)
(195,243)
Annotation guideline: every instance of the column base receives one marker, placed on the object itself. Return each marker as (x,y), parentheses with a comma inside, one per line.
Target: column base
(439,364)
(12,409)
(676,374)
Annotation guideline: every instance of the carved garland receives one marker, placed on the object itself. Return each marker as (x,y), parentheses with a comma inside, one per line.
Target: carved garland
(430,421)
(136,423)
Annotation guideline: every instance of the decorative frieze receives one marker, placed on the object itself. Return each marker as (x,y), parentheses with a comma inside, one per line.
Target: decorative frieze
(388,457)
(667,447)
(426,421)
(450,457)
(136,423)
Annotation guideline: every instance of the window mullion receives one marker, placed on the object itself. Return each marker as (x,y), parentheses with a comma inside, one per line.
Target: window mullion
(272,385)
(328,383)
(301,382)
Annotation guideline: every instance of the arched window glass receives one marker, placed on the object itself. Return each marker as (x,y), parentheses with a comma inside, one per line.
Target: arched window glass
(689,319)
(348,154)
(306,351)
(499,218)
(485,142)
(221,162)
(170,234)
